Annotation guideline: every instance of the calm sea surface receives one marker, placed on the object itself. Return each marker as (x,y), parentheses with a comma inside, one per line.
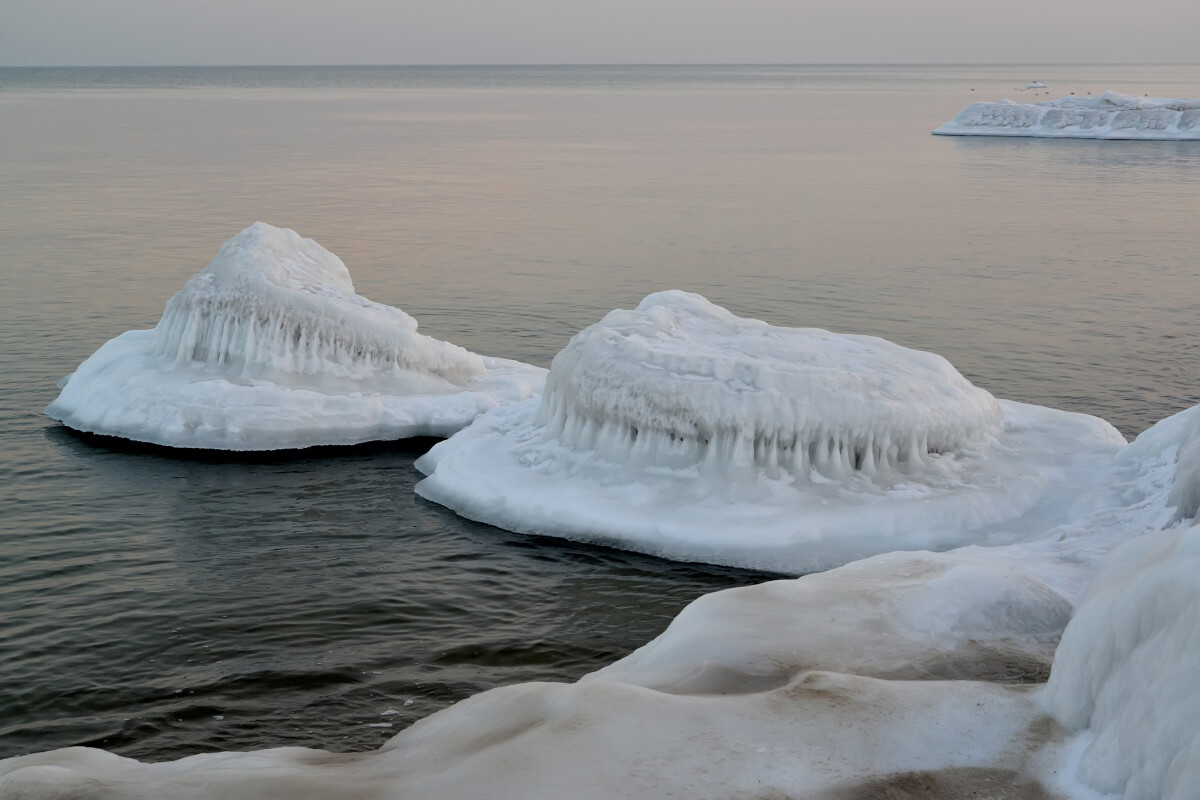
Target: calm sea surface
(159,606)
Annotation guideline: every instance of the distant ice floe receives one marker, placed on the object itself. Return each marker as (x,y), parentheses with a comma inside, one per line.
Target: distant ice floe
(270,348)
(680,430)
(903,675)
(1108,116)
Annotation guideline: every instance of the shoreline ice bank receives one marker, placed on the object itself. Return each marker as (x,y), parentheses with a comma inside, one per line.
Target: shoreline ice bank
(1110,115)
(680,430)
(805,688)
(270,348)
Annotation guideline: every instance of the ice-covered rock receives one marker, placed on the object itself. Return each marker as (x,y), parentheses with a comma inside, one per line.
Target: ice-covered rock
(680,382)
(681,430)
(270,348)
(1107,116)
(1128,670)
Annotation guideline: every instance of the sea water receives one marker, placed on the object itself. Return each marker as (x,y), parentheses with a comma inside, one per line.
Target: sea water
(161,604)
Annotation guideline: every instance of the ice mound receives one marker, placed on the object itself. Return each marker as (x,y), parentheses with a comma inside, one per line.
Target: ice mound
(681,430)
(1108,116)
(270,348)
(681,382)
(978,614)
(1128,669)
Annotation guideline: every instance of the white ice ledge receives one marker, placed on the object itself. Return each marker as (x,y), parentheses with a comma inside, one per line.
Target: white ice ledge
(680,430)
(270,348)
(1108,116)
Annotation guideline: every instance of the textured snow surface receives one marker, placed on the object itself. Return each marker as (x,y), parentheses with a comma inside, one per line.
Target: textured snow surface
(269,348)
(680,430)
(807,688)
(680,382)
(1108,116)
(1128,670)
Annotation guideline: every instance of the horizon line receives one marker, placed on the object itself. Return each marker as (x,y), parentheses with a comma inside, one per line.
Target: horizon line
(628,64)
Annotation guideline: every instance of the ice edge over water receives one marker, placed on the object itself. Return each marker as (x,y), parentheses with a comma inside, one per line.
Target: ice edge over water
(1107,116)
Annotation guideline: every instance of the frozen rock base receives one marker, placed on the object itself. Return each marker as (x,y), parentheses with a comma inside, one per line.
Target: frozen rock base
(503,471)
(1108,116)
(270,348)
(685,432)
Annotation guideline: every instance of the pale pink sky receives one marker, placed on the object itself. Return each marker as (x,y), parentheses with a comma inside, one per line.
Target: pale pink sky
(140,32)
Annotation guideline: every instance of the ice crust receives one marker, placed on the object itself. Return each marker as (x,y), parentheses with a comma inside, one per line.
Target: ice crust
(270,348)
(1110,115)
(680,430)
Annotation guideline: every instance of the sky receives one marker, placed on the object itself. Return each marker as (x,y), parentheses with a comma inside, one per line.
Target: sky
(246,32)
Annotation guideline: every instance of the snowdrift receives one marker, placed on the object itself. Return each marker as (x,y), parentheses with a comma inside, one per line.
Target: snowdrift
(270,348)
(903,675)
(680,430)
(1108,116)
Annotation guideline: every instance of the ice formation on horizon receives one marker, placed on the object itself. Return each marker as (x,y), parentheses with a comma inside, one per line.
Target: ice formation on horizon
(269,347)
(681,430)
(1110,115)
(807,688)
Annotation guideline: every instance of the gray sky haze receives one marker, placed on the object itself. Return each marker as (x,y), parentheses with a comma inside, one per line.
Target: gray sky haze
(249,32)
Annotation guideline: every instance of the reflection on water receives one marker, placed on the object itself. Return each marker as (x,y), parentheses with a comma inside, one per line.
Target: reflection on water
(160,605)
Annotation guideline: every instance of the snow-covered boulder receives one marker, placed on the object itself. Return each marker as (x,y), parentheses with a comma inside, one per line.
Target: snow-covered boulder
(681,430)
(1127,672)
(270,348)
(1110,115)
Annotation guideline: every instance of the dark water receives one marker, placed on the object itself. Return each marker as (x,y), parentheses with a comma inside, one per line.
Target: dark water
(159,606)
